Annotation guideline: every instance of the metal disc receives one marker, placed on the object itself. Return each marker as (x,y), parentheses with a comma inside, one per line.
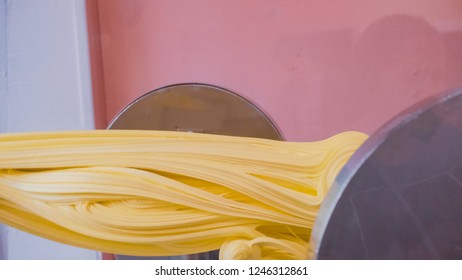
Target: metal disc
(400,195)
(195,108)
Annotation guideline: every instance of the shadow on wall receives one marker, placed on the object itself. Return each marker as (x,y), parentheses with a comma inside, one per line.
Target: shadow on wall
(358,80)
(399,57)
(402,59)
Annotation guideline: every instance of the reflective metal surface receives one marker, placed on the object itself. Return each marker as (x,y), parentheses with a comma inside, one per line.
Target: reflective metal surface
(196,108)
(400,195)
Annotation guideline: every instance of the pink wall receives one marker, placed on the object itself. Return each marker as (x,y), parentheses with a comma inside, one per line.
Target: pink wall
(316,67)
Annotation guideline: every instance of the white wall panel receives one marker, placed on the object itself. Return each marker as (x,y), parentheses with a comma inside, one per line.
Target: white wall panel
(48,87)
(3,65)
(3,241)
